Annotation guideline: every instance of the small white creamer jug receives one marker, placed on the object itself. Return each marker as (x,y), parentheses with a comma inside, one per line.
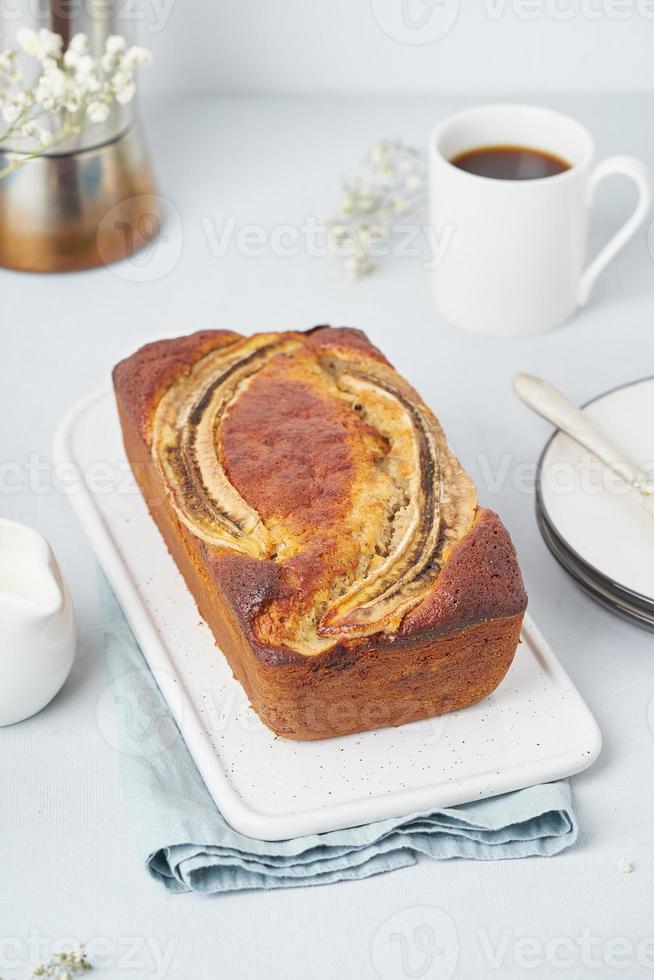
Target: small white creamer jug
(37,625)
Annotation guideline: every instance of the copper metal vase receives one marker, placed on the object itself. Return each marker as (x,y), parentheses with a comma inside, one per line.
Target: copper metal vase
(94,200)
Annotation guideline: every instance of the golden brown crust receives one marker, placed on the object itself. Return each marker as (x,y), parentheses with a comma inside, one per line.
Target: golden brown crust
(450,649)
(142,378)
(481,580)
(324,338)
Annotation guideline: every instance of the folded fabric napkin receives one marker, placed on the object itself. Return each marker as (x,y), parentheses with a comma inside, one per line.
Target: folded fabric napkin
(188,845)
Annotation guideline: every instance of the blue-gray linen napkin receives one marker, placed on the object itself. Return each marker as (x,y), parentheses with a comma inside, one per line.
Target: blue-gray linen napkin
(187,845)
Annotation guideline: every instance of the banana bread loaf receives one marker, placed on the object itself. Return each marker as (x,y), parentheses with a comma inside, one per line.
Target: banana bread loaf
(331,540)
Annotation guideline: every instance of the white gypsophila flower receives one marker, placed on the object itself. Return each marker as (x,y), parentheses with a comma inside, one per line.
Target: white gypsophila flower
(387,171)
(7,60)
(71,58)
(53,84)
(357,266)
(115,44)
(79,43)
(114,49)
(72,83)
(379,151)
(50,43)
(364,202)
(136,57)
(86,76)
(126,93)
(76,50)
(53,90)
(11,112)
(43,96)
(390,186)
(28,41)
(10,73)
(85,66)
(16,106)
(372,234)
(122,85)
(43,45)
(72,101)
(90,84)
(97,112)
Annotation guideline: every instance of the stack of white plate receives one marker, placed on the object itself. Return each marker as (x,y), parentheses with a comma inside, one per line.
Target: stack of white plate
(595,525)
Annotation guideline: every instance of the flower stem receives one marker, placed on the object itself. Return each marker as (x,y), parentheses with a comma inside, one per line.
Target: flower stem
(68,129)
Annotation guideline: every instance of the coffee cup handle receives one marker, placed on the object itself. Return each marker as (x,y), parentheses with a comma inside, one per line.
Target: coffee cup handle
(639,173)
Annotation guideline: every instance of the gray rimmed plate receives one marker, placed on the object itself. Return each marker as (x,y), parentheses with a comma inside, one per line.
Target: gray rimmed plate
(595,525)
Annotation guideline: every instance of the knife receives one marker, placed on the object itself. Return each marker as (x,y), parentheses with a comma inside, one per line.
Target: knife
(552,404)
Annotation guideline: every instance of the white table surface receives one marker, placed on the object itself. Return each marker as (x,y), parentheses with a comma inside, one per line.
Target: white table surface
(67,860)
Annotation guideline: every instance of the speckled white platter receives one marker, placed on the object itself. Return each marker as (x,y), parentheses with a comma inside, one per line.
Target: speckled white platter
(534,728)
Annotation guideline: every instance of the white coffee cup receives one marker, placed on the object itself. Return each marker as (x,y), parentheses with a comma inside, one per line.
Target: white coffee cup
(514,251)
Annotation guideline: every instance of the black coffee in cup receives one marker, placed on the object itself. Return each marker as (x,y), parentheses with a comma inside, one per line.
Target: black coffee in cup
(510,163)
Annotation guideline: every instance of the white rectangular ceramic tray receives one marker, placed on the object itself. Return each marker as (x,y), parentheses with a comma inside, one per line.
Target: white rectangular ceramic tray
(534,728)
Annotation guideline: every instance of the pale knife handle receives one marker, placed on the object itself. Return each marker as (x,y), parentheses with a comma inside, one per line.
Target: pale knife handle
(553,405)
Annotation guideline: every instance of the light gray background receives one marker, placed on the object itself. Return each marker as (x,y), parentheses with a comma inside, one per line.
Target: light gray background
(295,46)
(66,850)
